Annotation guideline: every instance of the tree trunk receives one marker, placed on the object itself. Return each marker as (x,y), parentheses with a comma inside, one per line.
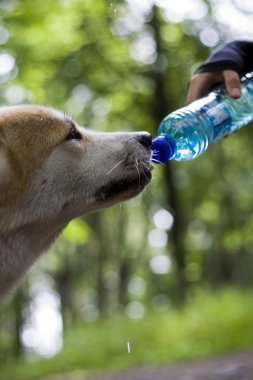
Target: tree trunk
(18,305)
(161,107)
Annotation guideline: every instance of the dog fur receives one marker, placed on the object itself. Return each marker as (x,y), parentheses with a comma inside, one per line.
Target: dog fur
(52,171)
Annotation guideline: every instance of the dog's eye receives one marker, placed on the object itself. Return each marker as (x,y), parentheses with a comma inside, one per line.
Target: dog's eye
(74,134)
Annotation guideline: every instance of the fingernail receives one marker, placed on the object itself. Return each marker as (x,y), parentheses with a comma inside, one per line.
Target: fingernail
(235,92)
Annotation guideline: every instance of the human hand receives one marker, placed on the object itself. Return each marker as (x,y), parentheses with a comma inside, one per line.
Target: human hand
(202,83)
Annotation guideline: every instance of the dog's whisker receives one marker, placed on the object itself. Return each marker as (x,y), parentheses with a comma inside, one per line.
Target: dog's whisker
(137,168)
(144,175)
(157,175)
(146,166)
(158,162)
(143,172)
(114,167)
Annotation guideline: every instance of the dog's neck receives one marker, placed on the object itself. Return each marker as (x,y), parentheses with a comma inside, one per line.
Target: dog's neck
(20,248)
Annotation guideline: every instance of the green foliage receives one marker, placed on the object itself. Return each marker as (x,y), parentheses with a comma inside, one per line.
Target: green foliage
(209,323)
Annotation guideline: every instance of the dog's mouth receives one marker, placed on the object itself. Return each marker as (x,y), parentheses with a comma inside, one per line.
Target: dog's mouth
(125,188)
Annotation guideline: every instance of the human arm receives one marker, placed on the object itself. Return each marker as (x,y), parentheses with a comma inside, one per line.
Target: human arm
(225,64)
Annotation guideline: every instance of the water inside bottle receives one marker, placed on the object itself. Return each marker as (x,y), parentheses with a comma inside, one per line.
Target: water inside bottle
(191,129)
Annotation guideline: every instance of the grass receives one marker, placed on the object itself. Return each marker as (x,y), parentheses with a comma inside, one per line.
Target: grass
(210,323)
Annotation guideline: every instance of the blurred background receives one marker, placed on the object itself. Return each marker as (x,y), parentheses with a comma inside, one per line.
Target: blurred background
(167,276)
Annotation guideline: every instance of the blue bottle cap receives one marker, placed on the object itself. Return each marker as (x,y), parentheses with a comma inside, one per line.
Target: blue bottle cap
(163,149)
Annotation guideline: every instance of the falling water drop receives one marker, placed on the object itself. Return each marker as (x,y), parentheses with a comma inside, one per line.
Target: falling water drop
(128,347)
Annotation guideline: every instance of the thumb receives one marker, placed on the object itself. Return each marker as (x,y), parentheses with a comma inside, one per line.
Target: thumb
(232,83)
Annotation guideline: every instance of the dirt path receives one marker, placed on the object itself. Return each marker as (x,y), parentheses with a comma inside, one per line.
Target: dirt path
(226,367)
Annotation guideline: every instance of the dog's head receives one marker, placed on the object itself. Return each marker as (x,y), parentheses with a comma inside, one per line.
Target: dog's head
(52,168)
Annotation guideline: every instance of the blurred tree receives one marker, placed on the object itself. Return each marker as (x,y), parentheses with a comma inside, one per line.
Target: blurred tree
(161,104)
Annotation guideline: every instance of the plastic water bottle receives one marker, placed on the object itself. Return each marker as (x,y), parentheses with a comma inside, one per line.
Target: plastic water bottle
(186,133)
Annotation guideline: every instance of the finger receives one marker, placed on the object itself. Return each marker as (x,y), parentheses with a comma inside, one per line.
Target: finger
(200,85)
(232,83)
(195,89)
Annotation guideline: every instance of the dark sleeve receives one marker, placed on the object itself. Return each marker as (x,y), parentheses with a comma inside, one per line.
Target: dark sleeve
(235,55)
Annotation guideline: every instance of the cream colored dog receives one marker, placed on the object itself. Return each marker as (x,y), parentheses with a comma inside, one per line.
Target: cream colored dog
(52,171)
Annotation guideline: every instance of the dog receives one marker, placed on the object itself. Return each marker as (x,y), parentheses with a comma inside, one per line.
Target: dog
(52,171)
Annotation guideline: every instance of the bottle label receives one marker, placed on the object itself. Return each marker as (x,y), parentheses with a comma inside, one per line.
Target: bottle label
(219,115)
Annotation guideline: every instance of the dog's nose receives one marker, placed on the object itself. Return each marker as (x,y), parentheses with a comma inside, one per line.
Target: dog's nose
(144,138)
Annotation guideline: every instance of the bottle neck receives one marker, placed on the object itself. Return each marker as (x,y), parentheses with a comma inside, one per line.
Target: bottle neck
(163,149)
